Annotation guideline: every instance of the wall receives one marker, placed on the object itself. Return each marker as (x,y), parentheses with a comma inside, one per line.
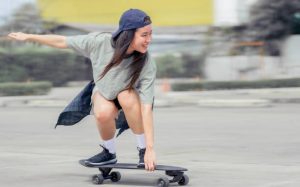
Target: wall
(163,13)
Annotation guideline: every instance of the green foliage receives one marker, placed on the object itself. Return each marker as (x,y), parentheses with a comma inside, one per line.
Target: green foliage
(221,85)
(186,65)
(193,65)
(42,64)
(28,88)
(169,66)
(296,23)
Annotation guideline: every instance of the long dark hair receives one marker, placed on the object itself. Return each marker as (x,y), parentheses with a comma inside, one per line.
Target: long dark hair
(121,44)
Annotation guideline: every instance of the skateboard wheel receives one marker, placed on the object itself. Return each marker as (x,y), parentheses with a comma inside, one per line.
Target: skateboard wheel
(163,182)
(184,180)
(97,179)
(115,176)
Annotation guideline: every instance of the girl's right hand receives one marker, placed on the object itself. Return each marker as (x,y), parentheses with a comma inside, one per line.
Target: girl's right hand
(18,36)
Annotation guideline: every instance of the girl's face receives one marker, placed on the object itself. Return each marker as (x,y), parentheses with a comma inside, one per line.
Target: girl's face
(141,40)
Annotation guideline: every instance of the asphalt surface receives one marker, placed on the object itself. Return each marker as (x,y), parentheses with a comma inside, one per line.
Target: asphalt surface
(221,146)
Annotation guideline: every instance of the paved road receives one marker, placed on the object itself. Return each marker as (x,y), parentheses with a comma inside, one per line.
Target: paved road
(223,147)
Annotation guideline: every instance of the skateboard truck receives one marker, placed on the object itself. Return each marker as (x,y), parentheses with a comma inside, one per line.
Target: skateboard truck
(178,176)
(106,173)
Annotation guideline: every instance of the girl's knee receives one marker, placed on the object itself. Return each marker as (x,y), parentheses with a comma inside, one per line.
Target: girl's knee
(104,112)
(128,98)
(104,116)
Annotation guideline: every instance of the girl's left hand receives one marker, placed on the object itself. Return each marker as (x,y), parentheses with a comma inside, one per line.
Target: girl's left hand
(150,159)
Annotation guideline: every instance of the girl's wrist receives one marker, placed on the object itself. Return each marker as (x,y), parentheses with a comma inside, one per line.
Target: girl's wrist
(149,147)
(28,37)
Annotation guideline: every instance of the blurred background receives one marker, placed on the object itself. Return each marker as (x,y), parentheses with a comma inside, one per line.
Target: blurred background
(227,91)
(198,45)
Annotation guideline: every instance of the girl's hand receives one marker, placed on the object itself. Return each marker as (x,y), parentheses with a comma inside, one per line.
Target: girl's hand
(150,159)
(18,36)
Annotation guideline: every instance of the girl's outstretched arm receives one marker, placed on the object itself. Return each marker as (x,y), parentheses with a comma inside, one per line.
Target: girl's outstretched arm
(56,41)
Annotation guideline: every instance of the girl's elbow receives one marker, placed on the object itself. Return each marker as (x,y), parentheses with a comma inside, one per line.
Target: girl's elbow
(62,44)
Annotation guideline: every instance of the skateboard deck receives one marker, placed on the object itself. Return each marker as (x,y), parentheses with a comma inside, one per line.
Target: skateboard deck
(177,173)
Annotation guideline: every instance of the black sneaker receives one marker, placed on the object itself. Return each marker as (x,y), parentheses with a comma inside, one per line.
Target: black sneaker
(141,157)
(105,157)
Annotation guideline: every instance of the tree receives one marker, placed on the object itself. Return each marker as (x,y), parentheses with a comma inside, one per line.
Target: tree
(193,65)
(272,21)
(26,18)
(169,66)
(296,23)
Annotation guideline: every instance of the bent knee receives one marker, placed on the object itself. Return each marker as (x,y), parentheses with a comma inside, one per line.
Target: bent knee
(128,98)
(104,115)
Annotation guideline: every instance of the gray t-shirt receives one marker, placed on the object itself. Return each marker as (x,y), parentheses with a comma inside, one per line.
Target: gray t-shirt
(97,47)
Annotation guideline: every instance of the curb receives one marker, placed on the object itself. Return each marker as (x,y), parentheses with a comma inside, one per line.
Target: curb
(160,103)
(234,103)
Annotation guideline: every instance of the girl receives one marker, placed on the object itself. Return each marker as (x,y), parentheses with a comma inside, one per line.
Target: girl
(124,75)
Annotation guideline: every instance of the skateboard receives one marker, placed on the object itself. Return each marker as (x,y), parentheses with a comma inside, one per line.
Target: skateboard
(177,173)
